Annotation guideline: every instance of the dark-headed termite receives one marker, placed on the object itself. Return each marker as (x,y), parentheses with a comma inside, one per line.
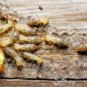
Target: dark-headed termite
(82,48)
(25,47)
(30,39)
(11,52)
(24,29)
(35,22)
(55,40)
(13,37)
(31,56)
(1,60)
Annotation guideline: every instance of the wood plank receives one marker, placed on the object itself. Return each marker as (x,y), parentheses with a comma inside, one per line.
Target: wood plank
(41,83)
(69,19)
(63,15)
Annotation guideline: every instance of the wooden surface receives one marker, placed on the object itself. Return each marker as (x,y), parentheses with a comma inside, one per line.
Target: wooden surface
(41,83)
(68,18)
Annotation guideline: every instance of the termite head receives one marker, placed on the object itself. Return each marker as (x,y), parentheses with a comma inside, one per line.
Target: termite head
(82,49)
(34,32)
(79,49)
(44,21)
(40,61)
(19,63)
(40,40)
(34,47)
(1,68)
(48,38)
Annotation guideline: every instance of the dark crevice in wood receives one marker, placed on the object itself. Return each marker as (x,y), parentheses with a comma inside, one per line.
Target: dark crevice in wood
(75,79)
(59,79)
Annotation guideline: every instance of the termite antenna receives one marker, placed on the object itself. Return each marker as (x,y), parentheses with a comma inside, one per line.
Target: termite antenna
(16,15)
(37,16)
(49,15)
(31,62)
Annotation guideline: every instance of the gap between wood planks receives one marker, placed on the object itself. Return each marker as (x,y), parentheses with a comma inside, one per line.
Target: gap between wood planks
(59,79)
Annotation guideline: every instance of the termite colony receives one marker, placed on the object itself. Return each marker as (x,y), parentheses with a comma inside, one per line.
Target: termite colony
(18,38)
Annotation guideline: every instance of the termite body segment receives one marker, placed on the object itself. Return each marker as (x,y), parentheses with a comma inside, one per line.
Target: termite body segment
(31,56)
(25,29)
(35,22)
(55,40)
(25,47)
(1,60)
(82,48)
(11,52)
(13,37)
(30,39)
(5,27)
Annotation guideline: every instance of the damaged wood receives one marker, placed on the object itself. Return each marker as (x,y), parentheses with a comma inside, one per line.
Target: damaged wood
(69,21)
(41,83)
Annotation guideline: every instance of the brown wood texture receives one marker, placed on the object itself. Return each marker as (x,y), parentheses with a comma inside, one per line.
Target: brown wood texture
(69,20)
(41,83)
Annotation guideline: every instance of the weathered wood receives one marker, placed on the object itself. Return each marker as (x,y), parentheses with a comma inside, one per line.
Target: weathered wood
(68,14)
(69,19)
(41,83)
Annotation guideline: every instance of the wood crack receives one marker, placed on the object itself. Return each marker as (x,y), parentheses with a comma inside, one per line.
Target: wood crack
(44,79)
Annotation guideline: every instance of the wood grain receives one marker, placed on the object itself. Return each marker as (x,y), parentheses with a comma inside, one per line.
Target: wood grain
(69,14)
(69,20)
(41,83)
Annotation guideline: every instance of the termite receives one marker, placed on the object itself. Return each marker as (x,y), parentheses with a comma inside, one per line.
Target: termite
(30,39)
(25,29)
(25,47)
(1,60)
(11,52)
(5,27)
(13,37)
(35,22)
(82,48)
(31,56)
(55,40)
